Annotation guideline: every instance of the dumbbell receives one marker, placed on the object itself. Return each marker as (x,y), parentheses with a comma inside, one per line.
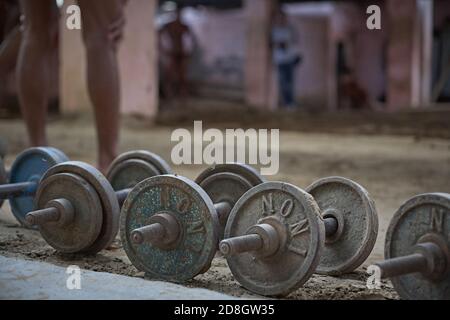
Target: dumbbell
(417,248)
(278,235)
(26,171)
(77,208)
(171,226)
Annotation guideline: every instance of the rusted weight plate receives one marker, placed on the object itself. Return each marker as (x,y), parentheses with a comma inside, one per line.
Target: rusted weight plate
(296,216)
(30,165)
(357,218)
(194,212)
(84,228)
(3,177)
(134,166)
(228,182)
(419,216)
(110,206)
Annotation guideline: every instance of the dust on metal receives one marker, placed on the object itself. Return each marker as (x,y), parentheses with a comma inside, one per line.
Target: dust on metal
(109,206)
(226,183)
(417,248)
(132,167)
(351,206)
(283,260)
(73,230)
(196,225)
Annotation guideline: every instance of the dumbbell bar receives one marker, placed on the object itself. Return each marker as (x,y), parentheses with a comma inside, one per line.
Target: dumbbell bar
(278,235)
(62,211)
(264,239)
(417,248)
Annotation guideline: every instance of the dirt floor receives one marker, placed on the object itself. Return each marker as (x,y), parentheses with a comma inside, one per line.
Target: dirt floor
(394,162)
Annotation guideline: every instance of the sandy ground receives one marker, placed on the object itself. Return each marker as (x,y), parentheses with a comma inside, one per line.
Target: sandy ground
(392,167)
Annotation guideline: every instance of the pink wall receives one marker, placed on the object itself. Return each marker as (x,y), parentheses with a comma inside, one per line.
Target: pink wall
(366,49)
(222,34)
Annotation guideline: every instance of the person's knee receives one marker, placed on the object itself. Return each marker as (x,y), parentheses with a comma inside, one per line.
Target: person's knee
(97,40)
(40,35)
(101,37)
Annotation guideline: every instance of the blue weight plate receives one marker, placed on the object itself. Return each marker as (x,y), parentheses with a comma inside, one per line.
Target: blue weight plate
(30,165)
(62,156)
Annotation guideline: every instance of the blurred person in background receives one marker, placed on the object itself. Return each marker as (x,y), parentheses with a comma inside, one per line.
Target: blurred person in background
(284,56)
(176,43)
(102,26)
(10,38)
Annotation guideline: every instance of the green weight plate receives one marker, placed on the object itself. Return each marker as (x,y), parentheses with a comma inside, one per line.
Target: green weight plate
(351,205)
(420,216)
(296,216)
(194,213)
(30,165)
(106,194)
(85,226)
(134,166)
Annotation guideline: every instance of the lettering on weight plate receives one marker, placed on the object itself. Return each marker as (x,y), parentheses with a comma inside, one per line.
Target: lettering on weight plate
(267,205)
(299,251)
(196,227)
(164,196)
(286,208)
(184,205)
(298,228)
(437,220)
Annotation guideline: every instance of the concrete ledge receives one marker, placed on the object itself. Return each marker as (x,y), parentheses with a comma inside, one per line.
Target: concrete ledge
(22,279)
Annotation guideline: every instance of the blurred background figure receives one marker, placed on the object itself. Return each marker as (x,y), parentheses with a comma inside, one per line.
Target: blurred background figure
(10,37)
(285,58)
(103,22)
(351,95)
(176,43)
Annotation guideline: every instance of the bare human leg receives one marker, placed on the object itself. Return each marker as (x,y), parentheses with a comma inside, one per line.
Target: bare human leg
(103,22)
(38,39)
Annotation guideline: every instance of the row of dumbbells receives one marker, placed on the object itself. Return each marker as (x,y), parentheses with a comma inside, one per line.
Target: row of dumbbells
(274,235)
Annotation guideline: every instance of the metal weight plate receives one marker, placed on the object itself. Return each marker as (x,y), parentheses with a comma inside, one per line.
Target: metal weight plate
(194,212)
(106,194)
(30,165)
(134,166)
(3,177)
(85,226)
(354,209)
(228,182)
(297,216)
(421,215)
(62,156)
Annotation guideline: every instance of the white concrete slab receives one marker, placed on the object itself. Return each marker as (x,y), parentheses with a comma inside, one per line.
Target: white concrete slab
(22,279)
